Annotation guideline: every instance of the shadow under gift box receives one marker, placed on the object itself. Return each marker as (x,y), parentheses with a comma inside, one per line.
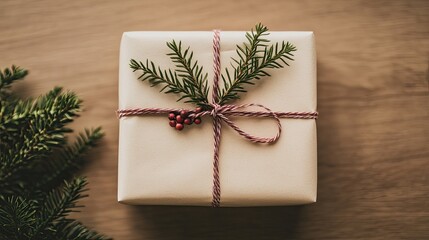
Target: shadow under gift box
(161,166)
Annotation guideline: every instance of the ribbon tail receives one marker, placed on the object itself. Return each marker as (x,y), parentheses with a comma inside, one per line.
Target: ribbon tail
(216,178)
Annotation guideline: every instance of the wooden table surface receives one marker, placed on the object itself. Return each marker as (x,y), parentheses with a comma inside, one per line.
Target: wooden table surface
(373,98)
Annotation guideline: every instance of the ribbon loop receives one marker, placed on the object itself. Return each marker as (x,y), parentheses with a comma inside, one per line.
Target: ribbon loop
(222,112)
(246,135)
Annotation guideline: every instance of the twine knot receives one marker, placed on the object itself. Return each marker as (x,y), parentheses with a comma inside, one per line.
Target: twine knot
(216,109)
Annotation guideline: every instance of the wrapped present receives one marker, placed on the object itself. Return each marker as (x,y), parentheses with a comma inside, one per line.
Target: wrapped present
(276,161)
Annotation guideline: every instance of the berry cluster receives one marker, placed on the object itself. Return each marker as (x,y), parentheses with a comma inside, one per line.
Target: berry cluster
(180,118)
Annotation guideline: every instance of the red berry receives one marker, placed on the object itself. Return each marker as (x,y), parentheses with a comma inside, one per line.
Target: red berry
(179,119)
(198,110)
(184,113)
(171,116)
(179,126)
(197,120)
(172,123)
(187,121)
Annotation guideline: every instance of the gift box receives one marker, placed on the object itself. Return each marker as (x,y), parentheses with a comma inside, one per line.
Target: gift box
(161,166)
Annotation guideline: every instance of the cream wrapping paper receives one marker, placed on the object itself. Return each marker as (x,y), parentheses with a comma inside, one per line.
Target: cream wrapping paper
(161,166)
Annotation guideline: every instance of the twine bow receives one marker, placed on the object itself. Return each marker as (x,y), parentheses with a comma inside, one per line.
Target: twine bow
(221,113)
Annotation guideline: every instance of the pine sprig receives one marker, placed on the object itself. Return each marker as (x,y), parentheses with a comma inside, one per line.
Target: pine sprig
(74,230)
(9,75)
(254,57)
(58,204)
(38,188)
(17,216)
(168,79)
(32,131)
(68,160)
(190,72)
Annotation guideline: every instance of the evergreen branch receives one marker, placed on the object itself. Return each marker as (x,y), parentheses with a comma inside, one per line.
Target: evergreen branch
(58,204)
(15,116)
(17,217)
(74,230)
(170,81)
(250,65)
(190,71)
(9,75)
(40,128)
(33,143)
(68,160)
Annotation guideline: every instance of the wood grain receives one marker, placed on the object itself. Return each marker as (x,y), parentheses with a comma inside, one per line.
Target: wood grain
(373,98)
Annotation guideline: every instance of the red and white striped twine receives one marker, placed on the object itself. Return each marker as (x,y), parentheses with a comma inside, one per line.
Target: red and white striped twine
(221,113)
